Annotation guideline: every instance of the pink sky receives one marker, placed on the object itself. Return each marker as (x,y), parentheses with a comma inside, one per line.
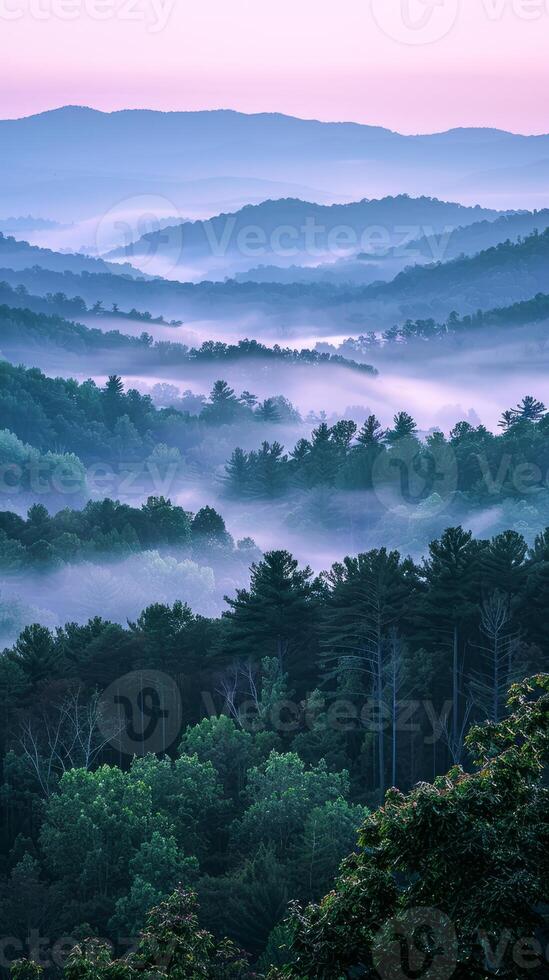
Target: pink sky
(412,65)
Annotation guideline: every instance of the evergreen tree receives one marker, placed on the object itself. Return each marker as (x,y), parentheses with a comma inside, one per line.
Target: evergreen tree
(223,407)
(37,654)
(452,576)
(404,427)
(323,459)
(113,399)
(367,598)
(237,473)
(276,615)
(435,881)
(268,467)
(268,411)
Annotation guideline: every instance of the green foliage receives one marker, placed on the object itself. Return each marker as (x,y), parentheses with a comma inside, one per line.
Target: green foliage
(107,528)
(276,613)
(25,970)
(260,805)
(171,945)
(468,852)
(281,793)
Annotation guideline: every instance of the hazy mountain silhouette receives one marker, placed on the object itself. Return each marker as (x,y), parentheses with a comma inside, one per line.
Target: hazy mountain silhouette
(75,162)
(497,276)
(290,230)
(366,268)
(17,254)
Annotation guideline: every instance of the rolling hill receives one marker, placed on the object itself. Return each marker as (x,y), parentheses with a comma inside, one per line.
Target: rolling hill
(499,276)
(290,230)
(74,162)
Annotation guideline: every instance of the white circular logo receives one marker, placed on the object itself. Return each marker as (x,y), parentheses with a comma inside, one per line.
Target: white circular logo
(410,473)
(145,230)
(141,712)
(415,21)
(419,943)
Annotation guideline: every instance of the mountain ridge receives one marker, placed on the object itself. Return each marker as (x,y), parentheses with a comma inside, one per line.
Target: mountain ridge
(226,111)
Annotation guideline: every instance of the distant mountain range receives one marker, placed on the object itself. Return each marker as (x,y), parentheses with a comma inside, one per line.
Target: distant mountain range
(75,163)
(365,268)
(499,276)
(290,230)
(508,273)
(16,255)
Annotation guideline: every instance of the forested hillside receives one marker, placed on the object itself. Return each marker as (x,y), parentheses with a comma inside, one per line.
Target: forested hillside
(275,786)
(499,276)
(274,490)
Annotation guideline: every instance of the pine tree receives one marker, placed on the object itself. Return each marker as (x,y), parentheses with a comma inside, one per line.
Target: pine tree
(323,459)
(113,399)
(237,473)
(452,576)
(223,406)
(366,602)
(404,427)
(269,471)
(37,653)
(276,615)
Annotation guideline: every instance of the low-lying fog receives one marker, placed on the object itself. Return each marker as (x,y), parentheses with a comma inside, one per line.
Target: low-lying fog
(318,527)
(438,382)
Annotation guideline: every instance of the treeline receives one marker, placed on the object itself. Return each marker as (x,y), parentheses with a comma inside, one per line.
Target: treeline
(530,311)
(17,253)
(287,716)
(504,271)
(451,846)
(107,423)
(96,423)
(471,460)
(21,328)
(507,273)
(105,529)
(59,305)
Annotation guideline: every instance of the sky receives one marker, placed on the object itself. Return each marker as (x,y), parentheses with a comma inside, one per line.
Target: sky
(410,65)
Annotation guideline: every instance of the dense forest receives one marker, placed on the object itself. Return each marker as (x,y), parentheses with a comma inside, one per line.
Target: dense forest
(16,254)
(23,331)
(292,714)
(506,273)
(104,529)
(480,466)
(274,555)
(103,423)
(467,329)
(462,836)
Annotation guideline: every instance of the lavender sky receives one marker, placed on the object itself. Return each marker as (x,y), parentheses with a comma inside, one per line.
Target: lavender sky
(411,65)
